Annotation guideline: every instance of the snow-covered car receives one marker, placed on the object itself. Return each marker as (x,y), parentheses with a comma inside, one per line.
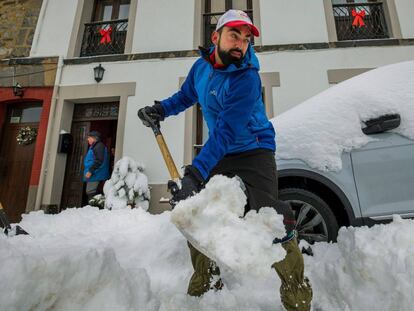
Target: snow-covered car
(346,156)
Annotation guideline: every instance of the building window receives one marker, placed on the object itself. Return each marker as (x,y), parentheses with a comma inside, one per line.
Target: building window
(359,20)
(213,9)
(106,34)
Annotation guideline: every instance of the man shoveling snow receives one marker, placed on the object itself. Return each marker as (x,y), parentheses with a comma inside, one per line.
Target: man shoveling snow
(226,83)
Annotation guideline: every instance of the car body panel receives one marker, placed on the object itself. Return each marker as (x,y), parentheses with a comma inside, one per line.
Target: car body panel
(343,180)
(384,175)
(377,179)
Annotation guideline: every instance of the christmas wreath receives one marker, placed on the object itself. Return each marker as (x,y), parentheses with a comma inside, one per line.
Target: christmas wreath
(26,135)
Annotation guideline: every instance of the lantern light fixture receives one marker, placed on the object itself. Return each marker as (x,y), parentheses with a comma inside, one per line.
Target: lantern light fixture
(18,90)
(98,73)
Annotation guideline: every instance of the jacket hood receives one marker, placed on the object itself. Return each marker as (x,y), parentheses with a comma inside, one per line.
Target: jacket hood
(249,60)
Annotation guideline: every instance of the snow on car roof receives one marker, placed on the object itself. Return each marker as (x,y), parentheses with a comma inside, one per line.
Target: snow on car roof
(321,128)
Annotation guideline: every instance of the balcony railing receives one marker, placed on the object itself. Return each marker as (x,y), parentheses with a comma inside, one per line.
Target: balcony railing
(101,38)
(210,21)
(360,21)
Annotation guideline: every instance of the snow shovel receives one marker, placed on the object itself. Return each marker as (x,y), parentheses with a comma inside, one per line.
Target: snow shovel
(6,224)
(172,169)
(172,186)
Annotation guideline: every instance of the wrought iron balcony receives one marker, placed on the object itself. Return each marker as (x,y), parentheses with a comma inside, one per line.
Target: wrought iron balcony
(360,21)
(101,38)
(210,21)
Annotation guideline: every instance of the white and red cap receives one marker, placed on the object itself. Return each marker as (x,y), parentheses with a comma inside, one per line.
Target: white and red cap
(235,18)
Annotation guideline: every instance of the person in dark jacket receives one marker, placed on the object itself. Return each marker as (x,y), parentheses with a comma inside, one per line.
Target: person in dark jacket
(226,83)
(96,164)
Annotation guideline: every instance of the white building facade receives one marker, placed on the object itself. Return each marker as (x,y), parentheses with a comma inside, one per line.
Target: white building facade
(148,46)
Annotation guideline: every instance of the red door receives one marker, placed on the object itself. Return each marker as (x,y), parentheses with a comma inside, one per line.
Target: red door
(16,159)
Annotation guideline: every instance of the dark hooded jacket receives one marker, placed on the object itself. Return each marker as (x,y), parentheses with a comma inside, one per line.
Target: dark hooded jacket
(97,162)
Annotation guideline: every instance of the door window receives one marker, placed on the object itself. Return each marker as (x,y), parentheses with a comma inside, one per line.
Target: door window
(29,114)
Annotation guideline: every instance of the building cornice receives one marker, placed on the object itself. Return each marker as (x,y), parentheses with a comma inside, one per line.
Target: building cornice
(29,61)
(195,53)
(258,49)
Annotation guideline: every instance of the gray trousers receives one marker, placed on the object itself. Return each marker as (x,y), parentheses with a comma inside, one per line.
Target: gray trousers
(91,189)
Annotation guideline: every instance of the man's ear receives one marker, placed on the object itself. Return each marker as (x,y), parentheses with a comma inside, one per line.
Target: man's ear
(214,37)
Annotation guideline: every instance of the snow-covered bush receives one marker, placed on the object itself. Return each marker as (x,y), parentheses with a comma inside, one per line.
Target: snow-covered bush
(98,201)
(128,186)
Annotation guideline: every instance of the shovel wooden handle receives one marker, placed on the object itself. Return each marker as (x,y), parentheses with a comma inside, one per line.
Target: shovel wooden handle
(172,169)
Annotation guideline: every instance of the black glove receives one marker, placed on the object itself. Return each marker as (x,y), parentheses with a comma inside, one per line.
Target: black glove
(191,183)
(155,112)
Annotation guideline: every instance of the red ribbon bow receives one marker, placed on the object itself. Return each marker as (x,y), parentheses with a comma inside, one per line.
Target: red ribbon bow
(358,20)
(106,35)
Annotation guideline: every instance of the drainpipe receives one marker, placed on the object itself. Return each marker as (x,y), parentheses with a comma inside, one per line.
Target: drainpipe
(49,134)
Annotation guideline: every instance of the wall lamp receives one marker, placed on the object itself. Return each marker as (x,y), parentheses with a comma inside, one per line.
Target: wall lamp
(18,90)
(98,73)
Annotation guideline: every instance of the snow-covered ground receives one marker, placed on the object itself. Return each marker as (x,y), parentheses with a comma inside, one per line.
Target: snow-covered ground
(128,259)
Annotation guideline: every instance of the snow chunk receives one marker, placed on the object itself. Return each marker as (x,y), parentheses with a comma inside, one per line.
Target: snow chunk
(214,219)
(322,127)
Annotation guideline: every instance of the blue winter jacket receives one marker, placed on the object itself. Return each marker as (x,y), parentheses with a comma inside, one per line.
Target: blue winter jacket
(232,106)
(97,164)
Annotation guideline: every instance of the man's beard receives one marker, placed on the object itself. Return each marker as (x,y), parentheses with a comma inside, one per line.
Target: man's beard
(229,59)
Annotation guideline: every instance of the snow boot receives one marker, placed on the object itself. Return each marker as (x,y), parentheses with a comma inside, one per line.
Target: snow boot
(295,290)
(206,274)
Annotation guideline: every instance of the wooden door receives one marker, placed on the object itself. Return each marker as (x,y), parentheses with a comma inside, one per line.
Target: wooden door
(86,117)
(15,169)
(73,184)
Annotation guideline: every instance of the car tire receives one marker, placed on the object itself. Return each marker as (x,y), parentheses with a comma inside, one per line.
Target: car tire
(317,223)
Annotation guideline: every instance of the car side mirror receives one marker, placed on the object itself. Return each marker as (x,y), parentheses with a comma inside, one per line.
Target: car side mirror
(381,124)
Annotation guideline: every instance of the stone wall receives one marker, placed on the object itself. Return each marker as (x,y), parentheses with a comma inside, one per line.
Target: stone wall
(18,20)
(28,72)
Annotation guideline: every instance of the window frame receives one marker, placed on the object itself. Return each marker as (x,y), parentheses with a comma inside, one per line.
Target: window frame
(98,6)
(377,22)
(83,16)
(206,40)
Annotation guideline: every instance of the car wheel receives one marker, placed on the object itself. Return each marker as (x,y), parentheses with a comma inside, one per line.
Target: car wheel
(315,221)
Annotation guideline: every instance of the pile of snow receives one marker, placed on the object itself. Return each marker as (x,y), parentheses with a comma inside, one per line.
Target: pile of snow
(212,221)
(128,186)
(321,128)
(71,262)
(369,268)
(91,259)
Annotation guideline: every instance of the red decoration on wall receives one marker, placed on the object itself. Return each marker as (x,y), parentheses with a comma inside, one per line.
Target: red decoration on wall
(359,18)
(106,35)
